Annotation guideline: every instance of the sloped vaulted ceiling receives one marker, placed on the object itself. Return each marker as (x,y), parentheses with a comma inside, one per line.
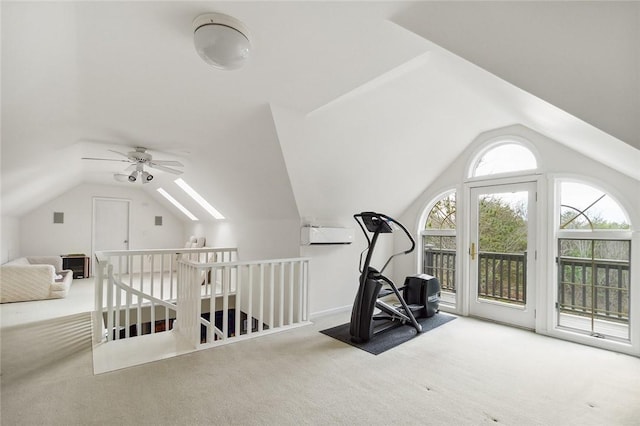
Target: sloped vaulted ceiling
(583,57)
(344,105)
(378,146)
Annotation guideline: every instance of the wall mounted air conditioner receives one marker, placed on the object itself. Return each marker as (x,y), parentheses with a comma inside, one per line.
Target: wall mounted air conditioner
(311,235)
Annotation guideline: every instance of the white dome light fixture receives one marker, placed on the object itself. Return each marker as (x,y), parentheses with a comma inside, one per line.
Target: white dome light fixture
(221,40)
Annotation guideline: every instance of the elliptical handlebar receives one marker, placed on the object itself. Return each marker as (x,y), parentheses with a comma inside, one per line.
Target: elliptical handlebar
(378,223)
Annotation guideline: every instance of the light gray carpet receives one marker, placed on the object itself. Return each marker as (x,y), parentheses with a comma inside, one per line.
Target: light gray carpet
(466,373)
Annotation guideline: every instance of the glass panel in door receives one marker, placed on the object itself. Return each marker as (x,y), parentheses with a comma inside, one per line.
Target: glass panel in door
(501,251)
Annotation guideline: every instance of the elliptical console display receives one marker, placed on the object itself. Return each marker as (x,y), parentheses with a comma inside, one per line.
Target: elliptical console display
(372,313)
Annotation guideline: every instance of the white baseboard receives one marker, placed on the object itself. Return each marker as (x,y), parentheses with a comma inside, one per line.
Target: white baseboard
(331,311)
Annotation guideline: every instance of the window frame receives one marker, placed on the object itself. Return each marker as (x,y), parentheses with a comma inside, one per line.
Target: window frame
(493,143)
(452,302)
(555,234)
(551,169)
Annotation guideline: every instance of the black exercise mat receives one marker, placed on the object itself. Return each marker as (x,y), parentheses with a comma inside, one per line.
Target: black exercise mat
(390,338)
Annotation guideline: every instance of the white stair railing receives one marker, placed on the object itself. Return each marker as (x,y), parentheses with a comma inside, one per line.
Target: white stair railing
(142,282)
(145,308)
(245,299)
(204,295)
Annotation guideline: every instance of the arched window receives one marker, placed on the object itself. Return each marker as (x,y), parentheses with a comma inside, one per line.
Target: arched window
(443,213)
(594,259)
(505,157)
(439,244)
(585,207)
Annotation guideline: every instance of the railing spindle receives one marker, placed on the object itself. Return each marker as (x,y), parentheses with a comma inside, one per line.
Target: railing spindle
(272,285)
(109,302)
(153,273)
(291,270)
(261,309)
(281,303)
(225,302)
(212,300)
(250,302)
(238,304)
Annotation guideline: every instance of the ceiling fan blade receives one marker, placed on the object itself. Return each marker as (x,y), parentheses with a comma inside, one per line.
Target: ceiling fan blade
(163,168)
(119,153)
(104,159)
(130,168)
(168,163)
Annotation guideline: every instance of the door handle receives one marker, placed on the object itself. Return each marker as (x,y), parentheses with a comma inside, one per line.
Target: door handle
(125,241)
(472,251)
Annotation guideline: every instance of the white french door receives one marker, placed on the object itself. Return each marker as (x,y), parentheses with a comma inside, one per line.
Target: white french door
(502,253)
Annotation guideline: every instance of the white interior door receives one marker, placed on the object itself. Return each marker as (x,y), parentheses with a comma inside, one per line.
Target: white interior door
(111,226)
(502,253)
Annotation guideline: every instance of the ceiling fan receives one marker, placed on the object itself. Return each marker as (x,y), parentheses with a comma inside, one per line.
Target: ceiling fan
(138,159)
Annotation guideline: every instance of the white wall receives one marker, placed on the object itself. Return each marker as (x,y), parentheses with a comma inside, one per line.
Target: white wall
(10,238)
(333,275)
(255,239)
(40,236)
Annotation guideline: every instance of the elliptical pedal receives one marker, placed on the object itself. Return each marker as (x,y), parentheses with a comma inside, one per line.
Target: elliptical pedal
(415,307)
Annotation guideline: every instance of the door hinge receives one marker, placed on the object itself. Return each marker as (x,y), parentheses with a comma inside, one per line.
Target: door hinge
(535,255)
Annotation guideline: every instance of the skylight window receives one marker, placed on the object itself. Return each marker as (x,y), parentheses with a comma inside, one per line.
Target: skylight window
(198,198)
(175,202)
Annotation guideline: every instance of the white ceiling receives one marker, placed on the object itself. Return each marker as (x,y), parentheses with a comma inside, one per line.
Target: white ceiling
(344,106)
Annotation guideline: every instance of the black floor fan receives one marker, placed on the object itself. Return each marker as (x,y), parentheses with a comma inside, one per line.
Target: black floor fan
(371,313)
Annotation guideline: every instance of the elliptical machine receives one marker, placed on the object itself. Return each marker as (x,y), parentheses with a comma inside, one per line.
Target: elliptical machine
(421,293)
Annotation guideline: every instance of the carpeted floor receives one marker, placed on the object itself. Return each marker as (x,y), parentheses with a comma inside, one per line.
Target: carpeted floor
(468,372)
(80,299)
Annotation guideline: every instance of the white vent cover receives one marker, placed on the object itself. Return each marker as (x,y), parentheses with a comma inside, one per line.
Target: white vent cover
(310,235)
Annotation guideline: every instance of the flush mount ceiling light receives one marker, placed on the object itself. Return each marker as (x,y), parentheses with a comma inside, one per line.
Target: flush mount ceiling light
(221,40)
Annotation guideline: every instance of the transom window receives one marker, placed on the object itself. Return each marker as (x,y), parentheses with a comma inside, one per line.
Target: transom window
(506,157)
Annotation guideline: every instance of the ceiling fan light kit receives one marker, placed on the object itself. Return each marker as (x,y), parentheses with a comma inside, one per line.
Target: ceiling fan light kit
(221,40)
